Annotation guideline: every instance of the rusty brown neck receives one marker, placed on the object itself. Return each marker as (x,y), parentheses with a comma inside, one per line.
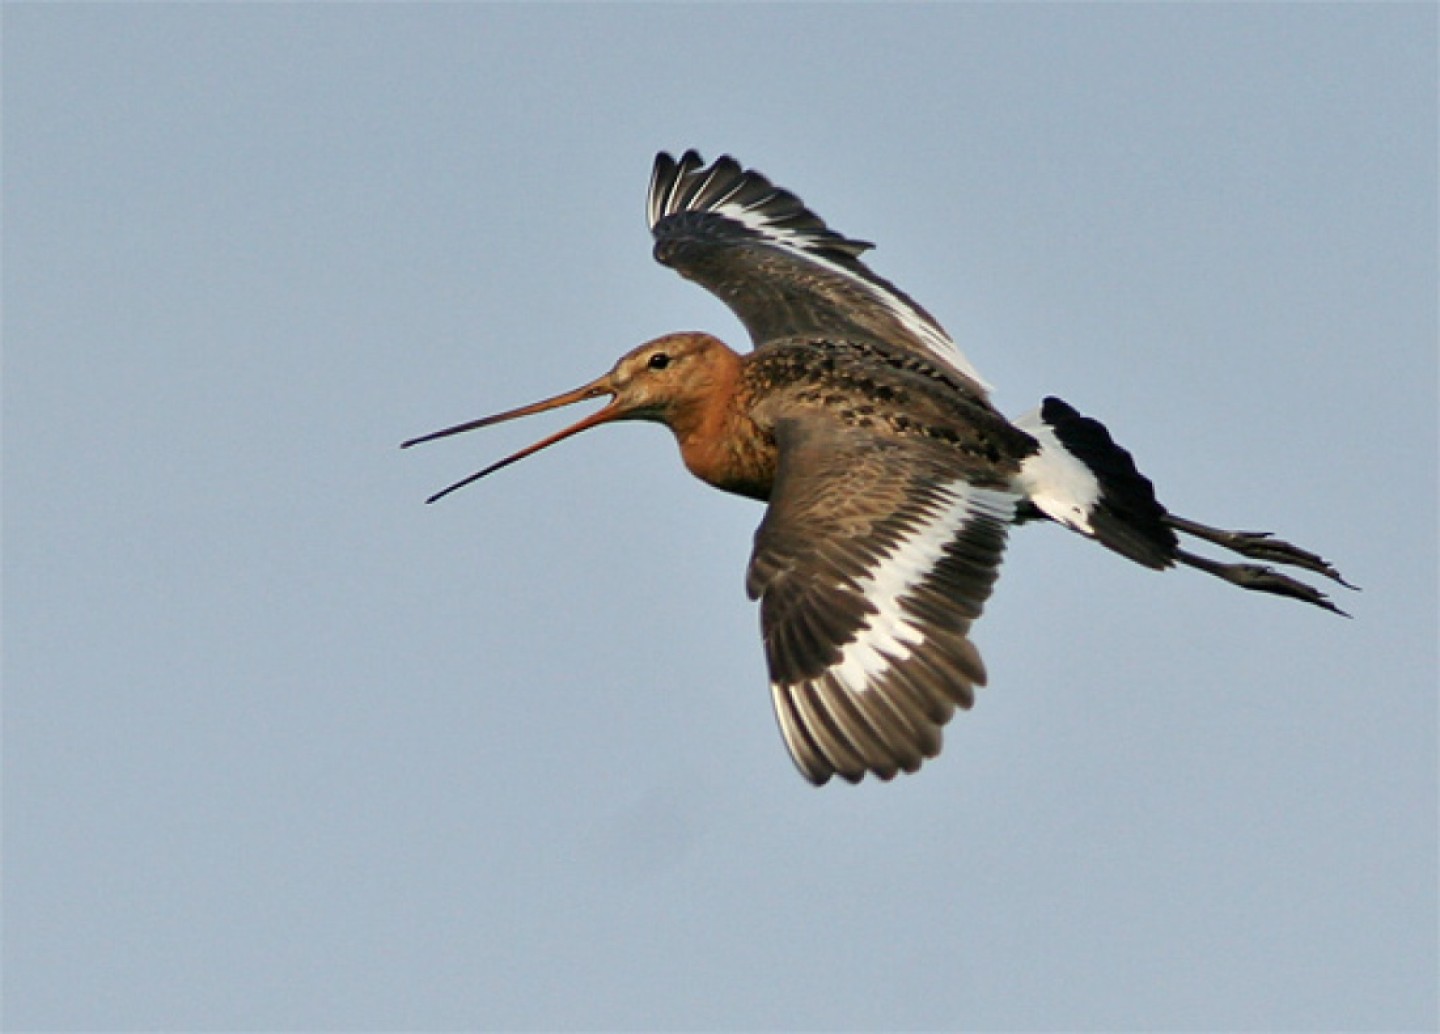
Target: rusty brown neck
(719,442)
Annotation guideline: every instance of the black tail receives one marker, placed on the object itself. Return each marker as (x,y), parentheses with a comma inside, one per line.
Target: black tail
(1083,479)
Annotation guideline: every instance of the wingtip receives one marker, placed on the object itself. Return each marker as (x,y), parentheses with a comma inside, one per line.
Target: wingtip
(666,175)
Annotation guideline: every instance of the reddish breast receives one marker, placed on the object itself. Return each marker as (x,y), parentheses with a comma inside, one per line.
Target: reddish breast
(720,442)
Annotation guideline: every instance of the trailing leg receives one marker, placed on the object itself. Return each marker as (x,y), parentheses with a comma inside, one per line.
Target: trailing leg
(1081,478)
(1258,545)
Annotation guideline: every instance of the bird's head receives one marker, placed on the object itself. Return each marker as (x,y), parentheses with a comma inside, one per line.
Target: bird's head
(669,380)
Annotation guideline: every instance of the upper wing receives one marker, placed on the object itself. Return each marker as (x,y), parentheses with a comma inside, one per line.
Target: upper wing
(875,556)
(776,264)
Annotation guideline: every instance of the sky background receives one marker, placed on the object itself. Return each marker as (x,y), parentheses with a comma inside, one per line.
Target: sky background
(286,749)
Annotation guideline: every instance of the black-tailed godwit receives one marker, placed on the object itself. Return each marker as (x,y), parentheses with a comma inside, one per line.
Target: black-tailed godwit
(891,479)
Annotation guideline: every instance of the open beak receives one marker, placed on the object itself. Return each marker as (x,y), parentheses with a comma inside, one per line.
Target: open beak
(595,389)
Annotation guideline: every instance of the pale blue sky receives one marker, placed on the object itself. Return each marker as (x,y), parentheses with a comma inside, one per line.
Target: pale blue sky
(285,748)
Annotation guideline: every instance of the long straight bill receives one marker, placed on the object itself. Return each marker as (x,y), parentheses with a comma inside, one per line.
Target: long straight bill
(595,389)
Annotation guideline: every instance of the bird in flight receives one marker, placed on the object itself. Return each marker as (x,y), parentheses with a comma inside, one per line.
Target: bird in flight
(890,478)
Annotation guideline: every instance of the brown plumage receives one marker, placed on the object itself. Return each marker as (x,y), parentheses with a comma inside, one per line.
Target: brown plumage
(891,479)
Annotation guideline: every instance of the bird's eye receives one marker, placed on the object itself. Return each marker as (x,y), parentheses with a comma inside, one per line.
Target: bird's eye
(659,361)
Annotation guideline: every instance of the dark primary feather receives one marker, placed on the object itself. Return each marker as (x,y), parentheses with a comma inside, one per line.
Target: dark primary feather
(851,510)
(685,187)
(777,265)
